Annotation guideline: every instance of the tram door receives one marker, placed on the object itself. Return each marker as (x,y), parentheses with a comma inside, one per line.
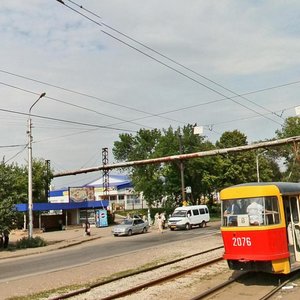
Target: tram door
(294,225)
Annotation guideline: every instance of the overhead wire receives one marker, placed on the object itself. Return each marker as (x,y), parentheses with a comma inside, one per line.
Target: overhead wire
(166,65)
(173,60)
(84,94)
(13,146)
(149,115)
(72,104)
(66,121)
(17,154)
(138,110)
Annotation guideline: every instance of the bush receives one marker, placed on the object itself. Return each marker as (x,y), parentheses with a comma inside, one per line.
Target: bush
(26,242)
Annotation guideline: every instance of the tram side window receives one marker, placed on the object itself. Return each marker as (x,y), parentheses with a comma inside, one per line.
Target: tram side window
(271,211)
(294,209)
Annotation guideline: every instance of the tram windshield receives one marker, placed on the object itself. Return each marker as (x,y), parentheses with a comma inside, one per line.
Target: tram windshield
(259,211)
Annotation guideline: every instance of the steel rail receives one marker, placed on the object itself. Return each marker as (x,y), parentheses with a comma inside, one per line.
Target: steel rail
(103,282)
(161,279)
(218,287)
(230,281)
(280,286)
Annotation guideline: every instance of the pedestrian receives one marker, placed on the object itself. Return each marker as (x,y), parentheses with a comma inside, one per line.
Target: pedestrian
(163,218)
(160,224)
(156,219)
(6,238)
(87,228)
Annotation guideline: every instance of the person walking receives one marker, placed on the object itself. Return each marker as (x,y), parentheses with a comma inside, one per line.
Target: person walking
(163,218)
(156,220)
(87,228)
(160,224)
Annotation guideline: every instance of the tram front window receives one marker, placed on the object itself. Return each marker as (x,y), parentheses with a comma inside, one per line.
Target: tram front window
(257,211)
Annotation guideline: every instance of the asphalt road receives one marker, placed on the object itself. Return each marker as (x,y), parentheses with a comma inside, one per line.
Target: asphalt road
(93,251)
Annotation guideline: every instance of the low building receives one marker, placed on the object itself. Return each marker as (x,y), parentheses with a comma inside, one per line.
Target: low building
(84,204)
(120,194)
(50,216)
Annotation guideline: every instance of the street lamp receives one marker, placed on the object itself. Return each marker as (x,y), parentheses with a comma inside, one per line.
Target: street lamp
(257,164)
(30,215)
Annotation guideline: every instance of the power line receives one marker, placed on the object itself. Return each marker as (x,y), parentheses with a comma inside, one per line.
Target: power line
(149,115)
(81,94)
(18,153)
(73,105)
(173,61)
(66,121)
(132,108)
(168,66)
(12,146)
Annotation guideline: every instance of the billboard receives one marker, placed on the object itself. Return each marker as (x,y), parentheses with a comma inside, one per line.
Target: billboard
(81,194)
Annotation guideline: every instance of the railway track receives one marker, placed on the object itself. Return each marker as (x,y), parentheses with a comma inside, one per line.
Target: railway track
(149,283)
(212,292)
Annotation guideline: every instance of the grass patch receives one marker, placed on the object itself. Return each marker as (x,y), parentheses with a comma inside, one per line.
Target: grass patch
(50,293)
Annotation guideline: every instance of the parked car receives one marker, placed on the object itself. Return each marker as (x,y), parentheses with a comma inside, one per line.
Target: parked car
(131,226)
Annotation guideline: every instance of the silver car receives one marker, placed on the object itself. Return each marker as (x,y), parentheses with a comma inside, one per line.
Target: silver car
(130,226)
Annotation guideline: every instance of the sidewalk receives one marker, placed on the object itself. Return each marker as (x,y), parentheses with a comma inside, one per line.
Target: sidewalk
(73,235)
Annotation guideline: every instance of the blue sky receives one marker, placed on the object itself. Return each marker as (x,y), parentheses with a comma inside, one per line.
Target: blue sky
(94,79)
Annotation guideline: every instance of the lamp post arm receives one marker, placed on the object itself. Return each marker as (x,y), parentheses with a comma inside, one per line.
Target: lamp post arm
(41,96)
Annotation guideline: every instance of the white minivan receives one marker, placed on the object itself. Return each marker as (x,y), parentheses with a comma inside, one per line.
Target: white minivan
(186,217)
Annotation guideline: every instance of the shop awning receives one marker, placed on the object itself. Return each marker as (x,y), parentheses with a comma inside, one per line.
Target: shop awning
(22,207)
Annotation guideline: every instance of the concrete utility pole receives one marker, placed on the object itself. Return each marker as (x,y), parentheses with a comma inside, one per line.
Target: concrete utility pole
(30,204)
(257,164)
(181,170)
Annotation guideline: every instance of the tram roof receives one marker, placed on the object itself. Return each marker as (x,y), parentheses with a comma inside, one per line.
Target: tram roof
(283,187)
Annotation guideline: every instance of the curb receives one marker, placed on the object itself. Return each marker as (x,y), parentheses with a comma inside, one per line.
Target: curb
(52,247)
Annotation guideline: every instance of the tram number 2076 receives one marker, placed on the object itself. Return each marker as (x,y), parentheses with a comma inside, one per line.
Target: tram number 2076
(241,241)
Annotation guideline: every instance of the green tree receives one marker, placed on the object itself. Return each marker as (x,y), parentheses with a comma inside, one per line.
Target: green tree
(198,172)
(8,220)
(290,153)
(236,167)
(161,180)
(147,178)
(14,189)
(40,177)
(12,182)
(241,167)
(9,176)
